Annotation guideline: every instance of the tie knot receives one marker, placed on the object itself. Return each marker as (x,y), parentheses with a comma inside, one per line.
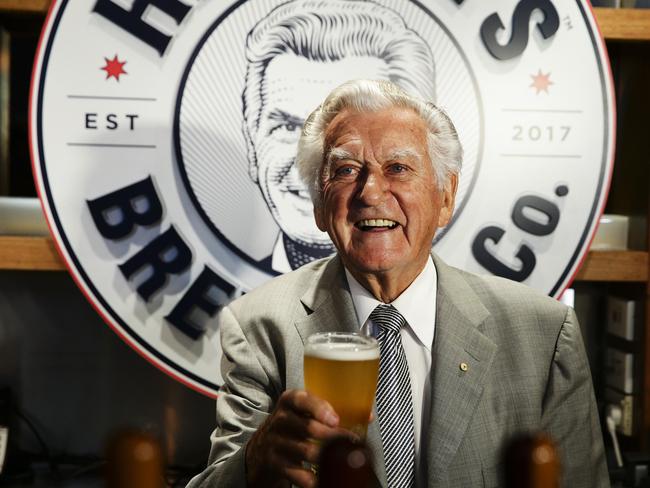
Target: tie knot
(388,318)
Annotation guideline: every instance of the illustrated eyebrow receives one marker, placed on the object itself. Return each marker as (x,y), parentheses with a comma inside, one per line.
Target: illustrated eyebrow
(278,115)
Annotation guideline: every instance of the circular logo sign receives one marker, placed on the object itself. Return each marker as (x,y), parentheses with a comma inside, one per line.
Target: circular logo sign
(164,134)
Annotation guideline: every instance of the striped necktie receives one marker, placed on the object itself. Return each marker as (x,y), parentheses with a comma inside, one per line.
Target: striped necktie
(394,404)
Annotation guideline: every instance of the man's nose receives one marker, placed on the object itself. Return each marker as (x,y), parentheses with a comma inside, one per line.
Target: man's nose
(373,188)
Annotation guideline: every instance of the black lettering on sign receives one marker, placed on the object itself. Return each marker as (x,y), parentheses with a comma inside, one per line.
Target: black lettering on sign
(548,211)
(166,254)
(111,123)
(116,214)
(132,21)
(91,120)
(131,118)
(198,296)
(493,264)
(519,32)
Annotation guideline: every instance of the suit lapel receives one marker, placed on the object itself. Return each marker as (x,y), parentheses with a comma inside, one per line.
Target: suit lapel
(332,310)
(461,359)
(328,303)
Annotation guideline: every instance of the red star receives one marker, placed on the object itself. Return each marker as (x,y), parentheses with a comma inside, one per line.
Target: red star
(114,68)
(541,82)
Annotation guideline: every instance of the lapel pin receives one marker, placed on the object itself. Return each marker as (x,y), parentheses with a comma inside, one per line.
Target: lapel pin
(464,367)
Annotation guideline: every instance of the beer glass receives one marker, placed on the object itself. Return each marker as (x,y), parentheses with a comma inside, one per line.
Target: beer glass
(342,368)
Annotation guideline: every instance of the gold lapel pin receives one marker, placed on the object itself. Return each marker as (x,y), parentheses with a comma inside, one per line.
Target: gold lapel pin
(464,367)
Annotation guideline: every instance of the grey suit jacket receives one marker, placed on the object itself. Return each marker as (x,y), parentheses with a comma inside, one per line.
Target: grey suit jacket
(527,370)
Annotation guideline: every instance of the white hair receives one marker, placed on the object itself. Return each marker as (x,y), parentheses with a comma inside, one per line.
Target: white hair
(444,147)
(330,30)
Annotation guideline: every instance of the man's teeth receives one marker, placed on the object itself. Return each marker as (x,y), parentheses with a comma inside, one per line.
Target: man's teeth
(377,223)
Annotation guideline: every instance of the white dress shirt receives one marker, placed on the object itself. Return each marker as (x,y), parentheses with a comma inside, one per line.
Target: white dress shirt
(417,304)
(279,260)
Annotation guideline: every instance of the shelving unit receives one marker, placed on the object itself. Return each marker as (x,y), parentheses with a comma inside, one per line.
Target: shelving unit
(40,254)
(625,266)
(620,24)
(24,6)
(627,32)
(29,253)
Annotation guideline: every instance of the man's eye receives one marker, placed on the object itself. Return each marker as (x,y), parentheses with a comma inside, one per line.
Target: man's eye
(397,168)
(345,171)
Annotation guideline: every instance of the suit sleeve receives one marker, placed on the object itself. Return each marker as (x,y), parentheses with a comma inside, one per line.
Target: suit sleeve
(569,413)
(243,403)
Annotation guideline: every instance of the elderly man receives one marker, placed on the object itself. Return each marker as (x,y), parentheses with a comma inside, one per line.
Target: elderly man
(296,55)
(482,358)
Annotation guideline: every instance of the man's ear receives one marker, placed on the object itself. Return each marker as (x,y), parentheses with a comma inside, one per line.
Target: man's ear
(448,199)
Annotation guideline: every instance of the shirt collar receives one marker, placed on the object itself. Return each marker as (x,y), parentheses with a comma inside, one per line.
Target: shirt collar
(417,303)
(279,260)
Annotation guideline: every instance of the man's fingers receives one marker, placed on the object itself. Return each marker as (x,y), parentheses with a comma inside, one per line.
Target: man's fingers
(296,451)
(292,425)
(292,435)
(301,477)
(305,403)
(288,458)
(313,429)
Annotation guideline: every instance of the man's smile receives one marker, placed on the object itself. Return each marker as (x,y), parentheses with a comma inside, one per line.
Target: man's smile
(376,224)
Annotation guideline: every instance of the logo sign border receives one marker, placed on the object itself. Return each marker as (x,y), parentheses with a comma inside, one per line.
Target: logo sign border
(106,311)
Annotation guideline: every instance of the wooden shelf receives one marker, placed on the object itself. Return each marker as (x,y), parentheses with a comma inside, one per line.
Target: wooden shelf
(631,266)
(39,253)
(29,253)
(25,6)
(624,24)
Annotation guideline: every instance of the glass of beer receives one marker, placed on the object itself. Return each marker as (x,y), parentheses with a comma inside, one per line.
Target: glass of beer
(342,368)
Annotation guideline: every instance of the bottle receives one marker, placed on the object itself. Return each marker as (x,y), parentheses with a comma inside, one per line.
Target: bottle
(531,461)
(344,464)
(134,460)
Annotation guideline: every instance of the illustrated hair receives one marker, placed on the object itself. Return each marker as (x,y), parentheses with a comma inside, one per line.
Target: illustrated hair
(330,30)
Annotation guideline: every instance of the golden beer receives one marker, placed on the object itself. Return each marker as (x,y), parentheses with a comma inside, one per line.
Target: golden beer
(342,368)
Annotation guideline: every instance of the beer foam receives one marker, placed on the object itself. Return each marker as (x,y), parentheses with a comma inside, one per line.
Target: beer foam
(342,352)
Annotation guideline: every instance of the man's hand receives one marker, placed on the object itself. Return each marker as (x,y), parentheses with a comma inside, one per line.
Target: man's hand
(275,453)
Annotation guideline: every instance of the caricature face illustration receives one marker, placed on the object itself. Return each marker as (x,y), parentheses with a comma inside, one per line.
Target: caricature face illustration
(259,72)
(294,85)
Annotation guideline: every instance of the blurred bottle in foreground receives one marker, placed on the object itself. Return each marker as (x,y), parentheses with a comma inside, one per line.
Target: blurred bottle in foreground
(134,460)
(531,461)
(344,464)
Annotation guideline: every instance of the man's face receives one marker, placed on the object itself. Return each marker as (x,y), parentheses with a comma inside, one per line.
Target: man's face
(293,87)
(381,204)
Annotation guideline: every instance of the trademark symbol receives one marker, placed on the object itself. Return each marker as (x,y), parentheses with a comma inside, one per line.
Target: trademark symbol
(567,22)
